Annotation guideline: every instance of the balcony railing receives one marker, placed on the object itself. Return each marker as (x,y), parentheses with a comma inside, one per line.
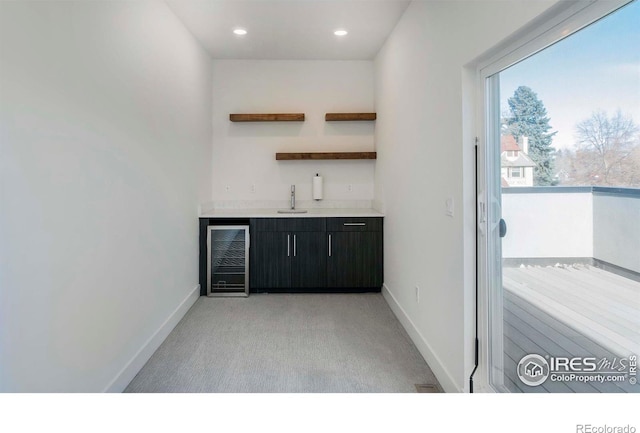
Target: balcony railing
(597,225)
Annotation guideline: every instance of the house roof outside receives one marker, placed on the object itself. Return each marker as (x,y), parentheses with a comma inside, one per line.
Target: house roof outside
(508,143)
(522,160)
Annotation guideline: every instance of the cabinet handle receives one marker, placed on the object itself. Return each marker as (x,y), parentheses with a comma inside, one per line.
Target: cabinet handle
(294,245)
(329,245)
(355,224)
(288,246)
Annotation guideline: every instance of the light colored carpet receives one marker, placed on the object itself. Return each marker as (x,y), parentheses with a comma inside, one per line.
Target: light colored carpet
(347,343)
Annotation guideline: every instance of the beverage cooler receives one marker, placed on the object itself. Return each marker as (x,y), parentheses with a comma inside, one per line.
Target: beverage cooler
(228,260)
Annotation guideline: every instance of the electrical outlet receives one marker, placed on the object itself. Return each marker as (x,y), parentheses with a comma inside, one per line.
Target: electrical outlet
(349,187)
(253,188)
(418,294)
(227,188)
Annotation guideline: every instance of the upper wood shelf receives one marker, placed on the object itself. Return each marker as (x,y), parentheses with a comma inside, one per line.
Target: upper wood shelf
(349,116)
(273,117)
(324,155)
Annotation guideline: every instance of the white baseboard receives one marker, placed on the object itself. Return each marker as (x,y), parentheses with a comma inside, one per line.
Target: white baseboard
(126,375)
(442,374)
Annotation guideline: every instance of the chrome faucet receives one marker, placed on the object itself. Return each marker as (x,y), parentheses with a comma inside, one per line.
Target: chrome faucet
(293,197)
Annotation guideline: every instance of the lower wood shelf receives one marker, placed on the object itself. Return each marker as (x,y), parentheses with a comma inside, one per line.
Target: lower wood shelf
(325,155)
(275,117)
(349,116)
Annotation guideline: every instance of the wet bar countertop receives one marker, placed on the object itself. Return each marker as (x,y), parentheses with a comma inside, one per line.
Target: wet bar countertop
(273,213)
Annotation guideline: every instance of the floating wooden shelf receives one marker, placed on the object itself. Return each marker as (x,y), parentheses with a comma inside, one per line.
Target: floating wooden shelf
(349,116)
(325,155)
(277,117)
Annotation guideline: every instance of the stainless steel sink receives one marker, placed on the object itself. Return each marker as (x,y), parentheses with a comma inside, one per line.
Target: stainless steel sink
(292,211)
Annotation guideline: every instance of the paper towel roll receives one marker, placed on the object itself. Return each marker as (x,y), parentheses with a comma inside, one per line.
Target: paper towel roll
(317,187)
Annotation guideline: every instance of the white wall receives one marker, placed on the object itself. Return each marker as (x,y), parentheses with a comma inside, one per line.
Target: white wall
(585,224)
(420,137)
(105,123)
(616,230)
(548,225)
(244,153)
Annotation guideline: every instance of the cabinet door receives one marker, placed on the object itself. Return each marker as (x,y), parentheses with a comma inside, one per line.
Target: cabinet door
(309,260)
(270,260)
(355,260)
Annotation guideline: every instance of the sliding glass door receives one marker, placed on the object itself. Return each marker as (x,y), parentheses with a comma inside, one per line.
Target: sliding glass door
(558,209)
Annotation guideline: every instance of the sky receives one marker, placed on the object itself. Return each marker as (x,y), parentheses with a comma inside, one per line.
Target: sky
(595,68)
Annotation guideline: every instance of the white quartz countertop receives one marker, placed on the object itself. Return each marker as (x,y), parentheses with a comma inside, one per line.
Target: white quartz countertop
(273,213)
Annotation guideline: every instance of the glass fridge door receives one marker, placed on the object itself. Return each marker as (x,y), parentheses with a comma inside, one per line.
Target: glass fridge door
(228,261)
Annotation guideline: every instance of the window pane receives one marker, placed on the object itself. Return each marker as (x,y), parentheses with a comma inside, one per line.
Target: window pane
(577,104)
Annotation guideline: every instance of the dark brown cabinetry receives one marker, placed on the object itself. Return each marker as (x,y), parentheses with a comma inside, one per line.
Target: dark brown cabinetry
(296,255)
(355,253)
(287,254)
(316,254)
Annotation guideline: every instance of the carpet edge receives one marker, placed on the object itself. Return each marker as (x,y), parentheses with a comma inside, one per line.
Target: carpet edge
(432,360)
(135,364)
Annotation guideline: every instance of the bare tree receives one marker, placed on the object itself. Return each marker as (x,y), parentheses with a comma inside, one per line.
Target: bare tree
(607,150)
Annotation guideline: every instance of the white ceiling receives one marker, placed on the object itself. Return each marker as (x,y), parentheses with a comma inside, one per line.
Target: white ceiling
(290,29)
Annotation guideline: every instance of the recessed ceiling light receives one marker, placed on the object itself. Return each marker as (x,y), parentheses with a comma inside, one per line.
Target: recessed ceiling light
(240,32)
(340,32)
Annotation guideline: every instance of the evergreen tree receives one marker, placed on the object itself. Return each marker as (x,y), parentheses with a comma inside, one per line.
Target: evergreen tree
(529,119)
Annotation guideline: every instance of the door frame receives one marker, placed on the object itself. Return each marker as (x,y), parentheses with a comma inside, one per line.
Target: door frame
(559,21)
